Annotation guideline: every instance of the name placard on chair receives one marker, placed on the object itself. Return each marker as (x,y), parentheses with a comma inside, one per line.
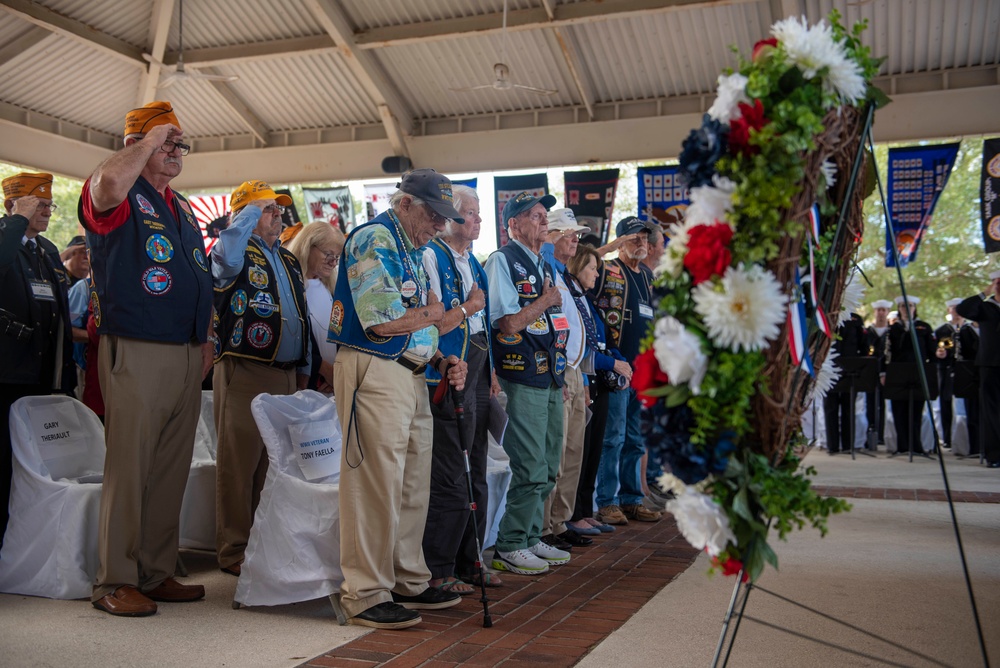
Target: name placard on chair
(57,428)
(317,454)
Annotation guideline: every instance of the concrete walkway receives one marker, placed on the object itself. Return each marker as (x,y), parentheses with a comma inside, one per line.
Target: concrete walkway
(889,567)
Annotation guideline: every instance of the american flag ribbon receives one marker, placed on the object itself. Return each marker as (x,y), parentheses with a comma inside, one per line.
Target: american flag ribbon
(821,319)
(798,330)
(814,221)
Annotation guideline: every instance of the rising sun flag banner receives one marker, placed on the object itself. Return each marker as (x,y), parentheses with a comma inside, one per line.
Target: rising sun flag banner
(211,212)
(917,177)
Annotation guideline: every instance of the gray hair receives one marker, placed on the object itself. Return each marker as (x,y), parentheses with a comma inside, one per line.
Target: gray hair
(397,198)
(462,195)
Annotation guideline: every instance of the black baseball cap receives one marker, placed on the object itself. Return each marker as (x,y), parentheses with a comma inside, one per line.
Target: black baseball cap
(432,188)
(523,201)
(75,241)
(631,225)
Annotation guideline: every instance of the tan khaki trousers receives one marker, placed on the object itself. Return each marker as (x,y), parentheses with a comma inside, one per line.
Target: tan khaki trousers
(559,506)
(384,478)
(241,459)
(152,392)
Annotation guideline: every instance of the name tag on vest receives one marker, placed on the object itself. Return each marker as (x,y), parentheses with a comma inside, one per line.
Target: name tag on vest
(42,290)
(559,321)
(646,311)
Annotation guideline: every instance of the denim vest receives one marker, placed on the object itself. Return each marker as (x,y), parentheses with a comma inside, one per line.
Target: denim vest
(455,342)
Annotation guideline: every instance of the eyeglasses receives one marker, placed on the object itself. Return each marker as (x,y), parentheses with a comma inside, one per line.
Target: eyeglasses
(329,257)
(274,209)
(170,146)
(41,205)
(570,233)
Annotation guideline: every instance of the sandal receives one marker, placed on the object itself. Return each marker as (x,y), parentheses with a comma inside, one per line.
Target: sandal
(492,579)
(452,585)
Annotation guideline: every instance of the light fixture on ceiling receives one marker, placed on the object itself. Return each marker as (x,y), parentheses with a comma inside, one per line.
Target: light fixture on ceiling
(177,72)
(501,71)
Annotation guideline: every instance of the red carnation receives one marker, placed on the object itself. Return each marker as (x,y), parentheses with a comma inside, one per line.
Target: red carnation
(708,253)
(751,118)
(647,375)
(731,567)
(763,49)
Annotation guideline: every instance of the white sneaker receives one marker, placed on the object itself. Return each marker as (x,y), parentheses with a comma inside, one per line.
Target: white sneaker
(522,562)
(550,555)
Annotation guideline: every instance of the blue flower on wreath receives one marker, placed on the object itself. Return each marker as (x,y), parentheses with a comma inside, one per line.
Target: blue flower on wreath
(667,433)
(701,150)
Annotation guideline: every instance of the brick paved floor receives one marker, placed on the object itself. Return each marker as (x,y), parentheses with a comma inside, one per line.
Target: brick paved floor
(553,619)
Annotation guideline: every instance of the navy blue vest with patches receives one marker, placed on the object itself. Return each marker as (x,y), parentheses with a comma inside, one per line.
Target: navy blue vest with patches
(535,356)
(345,328)
(456,342)
(150,276)
(248,312)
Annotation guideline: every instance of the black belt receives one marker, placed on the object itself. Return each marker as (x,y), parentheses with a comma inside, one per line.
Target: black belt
(417,369)
(284,366)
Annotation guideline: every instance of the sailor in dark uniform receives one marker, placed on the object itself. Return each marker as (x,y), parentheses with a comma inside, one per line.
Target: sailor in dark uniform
(985,309)
(899,348)
(945,335)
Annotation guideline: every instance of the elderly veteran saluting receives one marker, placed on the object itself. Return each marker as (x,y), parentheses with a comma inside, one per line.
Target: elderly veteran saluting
(385,321)
(152,304)
(529,350)
(35,349)
(262,344)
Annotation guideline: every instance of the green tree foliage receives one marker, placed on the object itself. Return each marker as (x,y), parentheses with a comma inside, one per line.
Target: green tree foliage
(951,261)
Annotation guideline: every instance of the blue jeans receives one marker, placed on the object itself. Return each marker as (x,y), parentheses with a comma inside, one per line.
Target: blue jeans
(618,476)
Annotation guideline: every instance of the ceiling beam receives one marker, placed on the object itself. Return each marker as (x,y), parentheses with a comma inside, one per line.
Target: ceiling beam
(227,55)
(577,68)
(366,68)
(575,13)
(22,43)
(159,28)
(75,30)
(239,107)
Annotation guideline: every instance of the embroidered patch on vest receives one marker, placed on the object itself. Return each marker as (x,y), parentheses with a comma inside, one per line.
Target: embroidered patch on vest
(157,281)
(257,277)
(539,327)
(237,336)
(95,306)
(509,339)
(159,248)
(337,317)
(541,362)
(199,258)
(145,206)
(238,303)
(512,362)
(260,335)
(263,304)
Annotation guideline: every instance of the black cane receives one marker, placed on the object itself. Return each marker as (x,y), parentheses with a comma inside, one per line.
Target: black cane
(458,398)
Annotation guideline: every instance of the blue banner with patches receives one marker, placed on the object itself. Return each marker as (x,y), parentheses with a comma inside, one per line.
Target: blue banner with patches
(989,195)
(591,197)
(505,187)
(917,177)
(662,197)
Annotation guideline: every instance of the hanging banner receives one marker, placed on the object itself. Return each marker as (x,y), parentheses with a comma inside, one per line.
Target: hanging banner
(591,196)
(377,196)
(663,199)
(506,187)
(988,193)
(917,176)
(465,182)
(330,205)
(291,215)
(212,212)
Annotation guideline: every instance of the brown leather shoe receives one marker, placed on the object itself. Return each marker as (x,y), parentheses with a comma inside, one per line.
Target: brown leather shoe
(172,591)
(235,569)
(126,601)
(641,513)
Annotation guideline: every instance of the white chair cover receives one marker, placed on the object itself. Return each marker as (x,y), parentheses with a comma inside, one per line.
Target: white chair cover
(293,553)
(197,528)
(50,548)
(498,476)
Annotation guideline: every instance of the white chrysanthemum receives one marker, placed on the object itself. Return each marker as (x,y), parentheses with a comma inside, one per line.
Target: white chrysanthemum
(732,91)
(829,171)
(701,521)
(710,203)
(815,51)
(672,260)
(854,296)
(827,377)
(679,353)
(744,310)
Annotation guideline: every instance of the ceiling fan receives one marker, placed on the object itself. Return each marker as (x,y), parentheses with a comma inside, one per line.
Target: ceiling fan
(178,73)
(501,71)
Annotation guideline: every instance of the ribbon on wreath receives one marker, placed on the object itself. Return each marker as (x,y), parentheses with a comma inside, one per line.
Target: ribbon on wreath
(798,330)
(813,240)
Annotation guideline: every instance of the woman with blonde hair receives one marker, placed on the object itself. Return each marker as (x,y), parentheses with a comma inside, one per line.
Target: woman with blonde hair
(318,247)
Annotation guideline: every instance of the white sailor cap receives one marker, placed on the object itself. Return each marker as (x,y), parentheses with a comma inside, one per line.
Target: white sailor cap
(995,275)
(910,298)
(953,302)
(882,303)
